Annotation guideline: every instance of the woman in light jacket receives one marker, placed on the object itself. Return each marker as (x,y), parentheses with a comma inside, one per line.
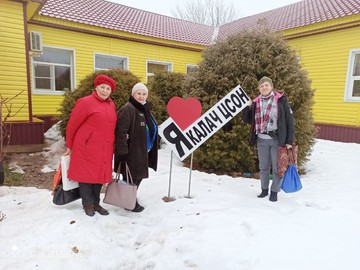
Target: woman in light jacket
(90,136)
(136,138)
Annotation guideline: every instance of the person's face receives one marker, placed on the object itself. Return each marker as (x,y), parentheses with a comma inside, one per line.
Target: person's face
(140,96)
(265,88)
(103,91)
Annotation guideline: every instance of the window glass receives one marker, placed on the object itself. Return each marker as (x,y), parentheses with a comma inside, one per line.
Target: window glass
(152,68)
(356,89)
(352,88)
(357,65)
(42,71)
(190,68)
(107,62)
(43,83)
(62,78)
(53,70)
(52,55)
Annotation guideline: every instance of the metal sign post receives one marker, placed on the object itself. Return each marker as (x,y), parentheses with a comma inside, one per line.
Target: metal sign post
(191,165)
(170,173)
(168,198)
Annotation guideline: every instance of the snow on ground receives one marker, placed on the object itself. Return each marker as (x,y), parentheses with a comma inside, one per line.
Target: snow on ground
(222,226)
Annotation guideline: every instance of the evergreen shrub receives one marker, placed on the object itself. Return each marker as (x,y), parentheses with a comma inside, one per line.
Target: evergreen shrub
(165,85)
(243,59)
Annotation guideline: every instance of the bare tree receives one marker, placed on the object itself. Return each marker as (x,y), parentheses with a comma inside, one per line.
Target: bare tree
(209,12)
(5,131)
(2,216)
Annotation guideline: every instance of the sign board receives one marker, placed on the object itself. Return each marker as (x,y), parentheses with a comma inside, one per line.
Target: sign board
(187,138)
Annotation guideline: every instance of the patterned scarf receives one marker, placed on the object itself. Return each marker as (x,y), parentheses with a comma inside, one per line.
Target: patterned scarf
(264,105)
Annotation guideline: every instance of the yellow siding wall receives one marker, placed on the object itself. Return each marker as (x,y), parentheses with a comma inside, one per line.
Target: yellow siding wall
(86,45)
(323,55)
(326,56)
(13,78)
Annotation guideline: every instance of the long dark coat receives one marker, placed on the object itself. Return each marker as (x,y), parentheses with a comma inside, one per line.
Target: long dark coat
(131,140)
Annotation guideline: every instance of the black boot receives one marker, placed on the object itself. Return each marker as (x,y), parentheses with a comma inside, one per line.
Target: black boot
(273,196)
(138,207)
(89,210)
(263,193)
(102,211)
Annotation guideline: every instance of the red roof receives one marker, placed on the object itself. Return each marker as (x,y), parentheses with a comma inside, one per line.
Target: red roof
(110,15)
(123,18)
(302,13)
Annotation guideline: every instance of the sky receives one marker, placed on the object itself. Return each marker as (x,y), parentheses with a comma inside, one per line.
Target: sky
(222,225)
(244,7)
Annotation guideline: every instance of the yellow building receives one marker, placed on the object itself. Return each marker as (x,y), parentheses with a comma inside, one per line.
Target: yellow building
(326,35)
(49,46)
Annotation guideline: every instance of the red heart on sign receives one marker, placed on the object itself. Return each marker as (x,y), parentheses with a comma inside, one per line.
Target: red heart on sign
(184,112)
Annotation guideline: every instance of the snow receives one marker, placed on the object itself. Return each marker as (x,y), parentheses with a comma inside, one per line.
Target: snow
(223,225)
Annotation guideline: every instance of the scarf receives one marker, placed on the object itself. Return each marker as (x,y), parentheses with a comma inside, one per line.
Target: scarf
(264,106)
(151,127)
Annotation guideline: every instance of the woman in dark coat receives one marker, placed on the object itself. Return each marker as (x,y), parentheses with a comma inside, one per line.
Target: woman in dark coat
(90,142)
(272,125)
(136,138)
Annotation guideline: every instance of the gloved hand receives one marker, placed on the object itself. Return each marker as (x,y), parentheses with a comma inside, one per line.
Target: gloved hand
(123,157)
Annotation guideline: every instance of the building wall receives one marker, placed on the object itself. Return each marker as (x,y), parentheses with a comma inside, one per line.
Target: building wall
(325,56)
(86,45)
(13,78)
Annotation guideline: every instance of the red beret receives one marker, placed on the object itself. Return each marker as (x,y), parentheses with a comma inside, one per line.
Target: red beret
(103,79)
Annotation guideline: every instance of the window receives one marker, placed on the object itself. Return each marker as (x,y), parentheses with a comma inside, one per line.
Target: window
(352,88)
(153,66)
(190,68)
(104,62)
(53,71)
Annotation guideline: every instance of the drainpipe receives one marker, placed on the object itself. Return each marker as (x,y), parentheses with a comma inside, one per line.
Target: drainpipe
(27,49)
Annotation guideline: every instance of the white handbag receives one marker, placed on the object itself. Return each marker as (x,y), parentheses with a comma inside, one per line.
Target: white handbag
(67,183)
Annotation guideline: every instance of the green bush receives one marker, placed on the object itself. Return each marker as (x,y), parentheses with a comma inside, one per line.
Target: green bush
(165,85)
(243,59)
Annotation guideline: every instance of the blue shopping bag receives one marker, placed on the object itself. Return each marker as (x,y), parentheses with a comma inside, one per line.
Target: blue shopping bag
(291,180)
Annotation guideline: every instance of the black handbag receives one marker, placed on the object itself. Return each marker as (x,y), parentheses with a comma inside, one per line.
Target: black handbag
(62,197)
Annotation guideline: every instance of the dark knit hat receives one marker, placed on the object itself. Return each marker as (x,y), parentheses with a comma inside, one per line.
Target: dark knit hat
(266,79)
(103,79)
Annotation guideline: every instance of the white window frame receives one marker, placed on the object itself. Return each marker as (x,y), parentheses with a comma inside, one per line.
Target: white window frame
(150,74)
(190,66)
(350,78)
(125,59)
(53,92)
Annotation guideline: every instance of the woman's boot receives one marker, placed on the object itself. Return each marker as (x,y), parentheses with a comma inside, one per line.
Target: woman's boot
(89,210)
(138,207)
(273,196)
(102,211)
(263,193)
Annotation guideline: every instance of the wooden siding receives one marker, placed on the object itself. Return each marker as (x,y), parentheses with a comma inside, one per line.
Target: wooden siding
(86,45)
(33,131)
(338,133)
(325,56)
(13,77)
(49,121)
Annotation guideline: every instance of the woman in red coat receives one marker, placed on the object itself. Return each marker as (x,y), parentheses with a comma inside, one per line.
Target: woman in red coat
(90,142)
